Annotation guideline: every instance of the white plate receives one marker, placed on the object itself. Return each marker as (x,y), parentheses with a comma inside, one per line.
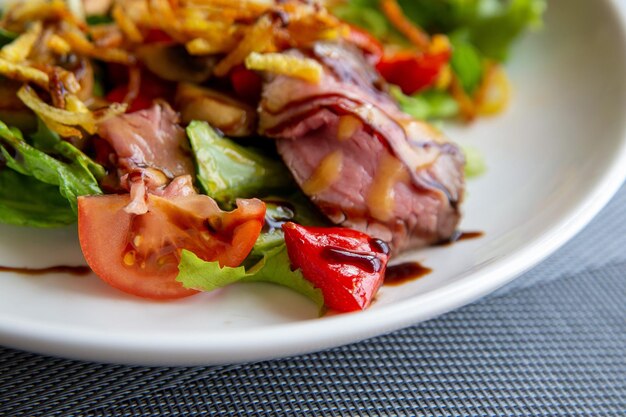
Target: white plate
(555,158)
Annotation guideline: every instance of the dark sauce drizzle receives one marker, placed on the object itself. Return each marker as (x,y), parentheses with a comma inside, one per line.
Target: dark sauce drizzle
(380,246)
(468,235)
(458,235)
(408,271)
(285,212)
(65,269)
(367,261)
(404,272)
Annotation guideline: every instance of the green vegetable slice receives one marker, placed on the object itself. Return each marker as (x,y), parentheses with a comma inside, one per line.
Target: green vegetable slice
(227,170)
(430,104)
(491,25)
(475,164)
(366,15)
(98,19)
(25,201)
(71,179)
(273,268)
(466,62)
(495,30)
(6,37)
(50,142)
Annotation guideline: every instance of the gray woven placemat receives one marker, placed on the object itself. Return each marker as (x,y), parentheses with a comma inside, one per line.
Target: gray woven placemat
(553,343)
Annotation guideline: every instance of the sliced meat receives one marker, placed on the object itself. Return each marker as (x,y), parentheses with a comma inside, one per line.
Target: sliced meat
(149,138)
(362,161)
(152,154)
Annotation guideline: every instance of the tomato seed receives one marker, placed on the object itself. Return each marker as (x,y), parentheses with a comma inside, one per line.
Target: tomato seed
(137,240)
(129,258)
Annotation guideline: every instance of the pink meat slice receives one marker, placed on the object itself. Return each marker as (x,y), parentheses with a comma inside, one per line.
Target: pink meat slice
(305,119)
(149,138)
(152,154)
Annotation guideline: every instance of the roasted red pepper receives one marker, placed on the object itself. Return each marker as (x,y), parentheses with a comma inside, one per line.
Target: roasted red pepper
(412,71)
(347,265)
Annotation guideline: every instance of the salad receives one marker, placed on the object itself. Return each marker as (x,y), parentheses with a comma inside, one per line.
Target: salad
(199,143)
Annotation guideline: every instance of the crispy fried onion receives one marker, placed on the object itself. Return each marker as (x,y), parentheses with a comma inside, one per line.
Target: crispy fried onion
(20,48)
(412,32)
(257,39)
(58,45)
(293,66)
(51,36)
(79,44)
(126,24)
(234,28)
(66,121)
(24,73)
(21,14)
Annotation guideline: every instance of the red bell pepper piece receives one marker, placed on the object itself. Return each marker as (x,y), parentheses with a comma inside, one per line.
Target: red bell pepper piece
(347,265)
(247,84)
(412,72)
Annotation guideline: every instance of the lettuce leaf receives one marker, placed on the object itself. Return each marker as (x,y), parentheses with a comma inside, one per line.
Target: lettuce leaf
(50,142)
(274,267)
(491,25)
(227,170)
(25,201)
(475,164)
(71,175)
(479,29)
(430,104)
(6,37)
(466,62)
(494,32)
(365,14)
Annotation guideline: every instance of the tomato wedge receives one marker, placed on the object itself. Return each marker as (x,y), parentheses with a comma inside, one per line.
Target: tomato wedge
(347,265)
(411,71)
(139,254)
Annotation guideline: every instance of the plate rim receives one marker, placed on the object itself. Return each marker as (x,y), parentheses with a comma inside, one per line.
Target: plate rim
(304,336)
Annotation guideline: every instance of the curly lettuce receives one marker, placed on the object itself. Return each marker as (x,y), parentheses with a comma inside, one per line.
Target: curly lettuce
(42,178)
(227,170)
(274,267)
(480,30)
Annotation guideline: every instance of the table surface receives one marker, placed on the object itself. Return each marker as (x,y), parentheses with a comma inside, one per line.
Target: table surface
(552,343)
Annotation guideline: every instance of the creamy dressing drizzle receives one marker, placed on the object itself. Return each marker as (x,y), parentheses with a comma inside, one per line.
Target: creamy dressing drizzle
(325,174)
(347,126)
(381,196)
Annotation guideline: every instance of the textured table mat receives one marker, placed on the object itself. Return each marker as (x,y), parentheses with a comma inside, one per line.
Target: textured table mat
(552,343)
